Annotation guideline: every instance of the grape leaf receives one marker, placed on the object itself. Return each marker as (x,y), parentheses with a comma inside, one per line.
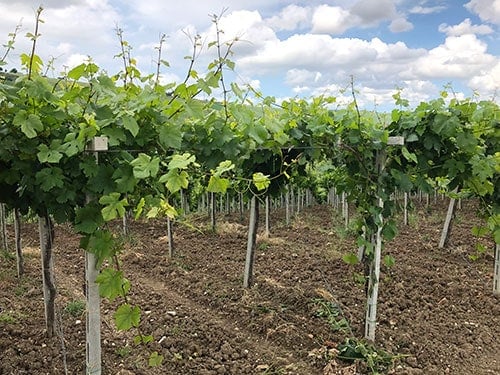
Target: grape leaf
(127,316)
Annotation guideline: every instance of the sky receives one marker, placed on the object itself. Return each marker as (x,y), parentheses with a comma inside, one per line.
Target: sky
(284,48)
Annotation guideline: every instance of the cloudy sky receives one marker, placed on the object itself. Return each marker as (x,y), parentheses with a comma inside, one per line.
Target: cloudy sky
(285,48)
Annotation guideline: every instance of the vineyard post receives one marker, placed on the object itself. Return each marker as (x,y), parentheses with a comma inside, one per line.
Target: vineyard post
(374,278)
(49,289)
(447,222)
(345,210)
(405,219)
(213,209)
(287,205)
(3,226)
(18,246)
(251,243)
(268,209)
(93,322)
(170,235)
(496,272)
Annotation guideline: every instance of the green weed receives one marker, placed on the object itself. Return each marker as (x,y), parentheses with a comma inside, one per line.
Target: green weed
(376,360)
(332,313)
(75,308)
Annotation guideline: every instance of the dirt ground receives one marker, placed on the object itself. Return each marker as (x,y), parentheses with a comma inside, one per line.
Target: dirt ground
(436,309)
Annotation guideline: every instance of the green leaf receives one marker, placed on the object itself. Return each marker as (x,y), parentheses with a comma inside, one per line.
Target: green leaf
(389,230)
(261,181)
(101,243)
(77,72)
(88,219)
(50,178)
(130,123)
(224,166)
(218,184)
(145,166)
(389,261)
(175,180)
(127,317)
(30,123)
(142,339)
(170,136)
(182,161)
(480,231)
(139,208)
(155,359)
(114,206)
(411,138)
(258,133)
(409,155)
(350,258)
(112,284)
(46,155)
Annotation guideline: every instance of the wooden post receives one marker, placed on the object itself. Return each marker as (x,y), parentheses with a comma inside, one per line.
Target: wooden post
(213,209)
(287,205)
(3,227)
(18,245)
(251,243)
(268,213)
(49,287)
(374,278)
(93,318)
(170,235)
(447,222)
(496,271)
(345,210)
(405,219)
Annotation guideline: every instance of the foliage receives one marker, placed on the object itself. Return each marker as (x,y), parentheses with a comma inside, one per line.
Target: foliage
(377,360)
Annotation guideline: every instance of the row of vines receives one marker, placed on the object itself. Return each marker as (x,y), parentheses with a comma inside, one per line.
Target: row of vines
(87,148)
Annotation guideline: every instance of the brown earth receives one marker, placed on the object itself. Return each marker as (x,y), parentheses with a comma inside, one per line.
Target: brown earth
(436,309)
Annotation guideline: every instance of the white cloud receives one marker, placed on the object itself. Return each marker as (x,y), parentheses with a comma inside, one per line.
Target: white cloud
(465,27)
(488,81)
(400,24)
(487,10)
(371,12)
(331,20)
(459,57)
(426,10)
(290,18)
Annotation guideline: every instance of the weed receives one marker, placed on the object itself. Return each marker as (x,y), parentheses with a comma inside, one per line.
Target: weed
(7,317)
(333,315)
(75,308)
(19,290)
(123,352)
(376,360)
(7,255)
(263,246)
(359,278)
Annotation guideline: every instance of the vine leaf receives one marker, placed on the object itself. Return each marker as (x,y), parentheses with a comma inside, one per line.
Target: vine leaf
(261,181)
(49,178)
(30,123)
(100,243)
(114,206)
(47,155)
(88,219)
(130,124)
(155,359)
(145,166)
(112,284)
(218,184)
(127,316)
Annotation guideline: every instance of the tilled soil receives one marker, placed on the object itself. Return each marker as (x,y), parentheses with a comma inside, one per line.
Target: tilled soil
(436,309)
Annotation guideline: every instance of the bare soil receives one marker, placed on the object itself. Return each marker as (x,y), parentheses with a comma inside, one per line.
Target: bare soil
(436,307)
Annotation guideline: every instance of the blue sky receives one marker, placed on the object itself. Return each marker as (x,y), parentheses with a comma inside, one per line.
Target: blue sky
(288,48)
